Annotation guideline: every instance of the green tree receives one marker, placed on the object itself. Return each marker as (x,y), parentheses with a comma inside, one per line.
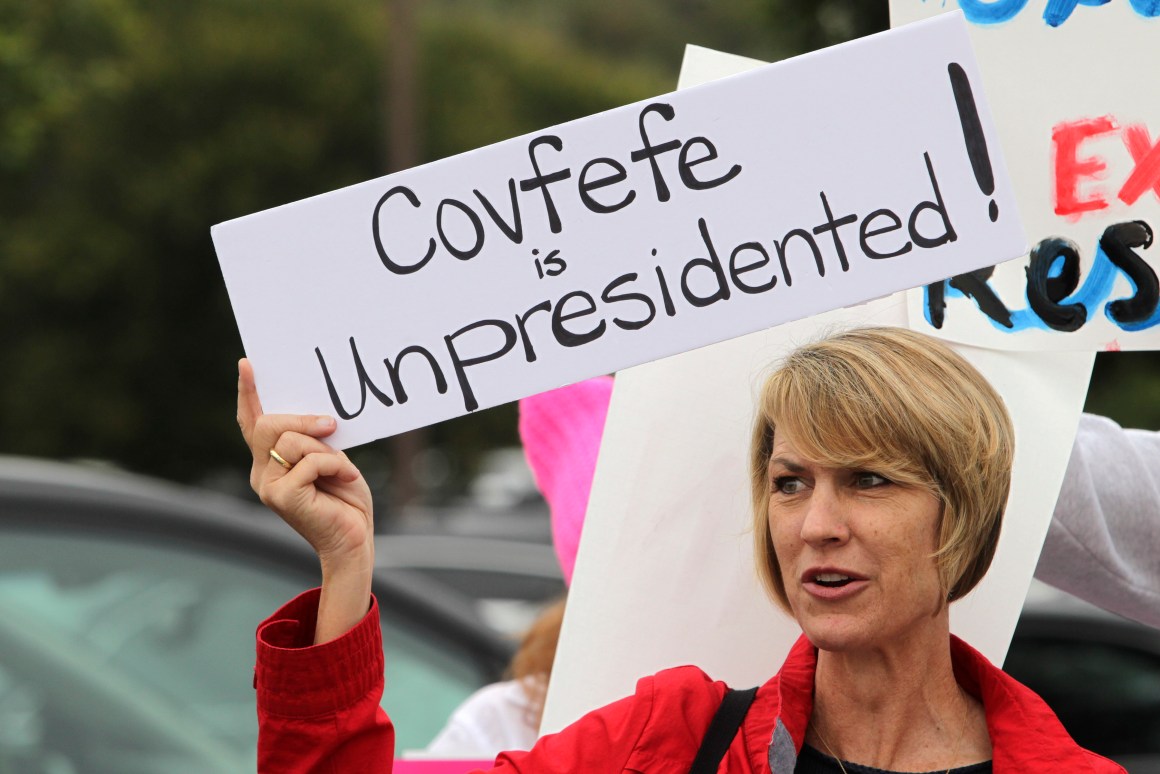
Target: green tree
(136,126)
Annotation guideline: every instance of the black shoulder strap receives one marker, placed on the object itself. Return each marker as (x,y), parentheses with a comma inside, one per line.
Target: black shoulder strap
(722,730)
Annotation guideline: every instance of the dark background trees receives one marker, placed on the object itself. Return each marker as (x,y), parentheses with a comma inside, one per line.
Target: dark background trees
(128,127)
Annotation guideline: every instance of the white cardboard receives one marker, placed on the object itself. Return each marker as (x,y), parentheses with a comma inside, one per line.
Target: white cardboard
(1099,61)
(856,123)
(665,574)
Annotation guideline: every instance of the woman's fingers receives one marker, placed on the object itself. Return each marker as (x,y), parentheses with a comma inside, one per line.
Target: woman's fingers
(268,433)
(270,427)
(309,463)
(321,465)
(292,446)
(281,455)
(323,498)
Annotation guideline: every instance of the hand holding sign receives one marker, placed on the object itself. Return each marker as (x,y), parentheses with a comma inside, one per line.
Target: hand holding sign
(318,492)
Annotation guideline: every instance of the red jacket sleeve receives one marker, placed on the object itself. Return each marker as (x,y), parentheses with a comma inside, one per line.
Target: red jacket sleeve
(318,705)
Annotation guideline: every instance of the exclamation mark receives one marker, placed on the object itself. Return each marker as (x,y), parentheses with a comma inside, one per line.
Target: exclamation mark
(973,135)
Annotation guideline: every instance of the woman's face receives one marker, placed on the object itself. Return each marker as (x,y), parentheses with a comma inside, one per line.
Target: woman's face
(855,551)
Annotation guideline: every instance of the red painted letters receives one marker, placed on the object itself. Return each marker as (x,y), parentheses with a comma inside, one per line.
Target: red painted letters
(1073,167)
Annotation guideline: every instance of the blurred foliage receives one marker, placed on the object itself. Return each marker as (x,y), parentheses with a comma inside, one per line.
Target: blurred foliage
(1126,387)
(128,127)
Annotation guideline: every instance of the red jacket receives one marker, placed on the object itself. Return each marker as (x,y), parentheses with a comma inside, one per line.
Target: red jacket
(318,711)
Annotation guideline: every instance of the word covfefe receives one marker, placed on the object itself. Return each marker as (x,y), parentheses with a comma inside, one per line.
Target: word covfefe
(597,174)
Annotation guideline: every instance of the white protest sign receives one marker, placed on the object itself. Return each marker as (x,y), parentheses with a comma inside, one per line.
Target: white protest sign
(624,237)
(1072,88)
(665,573)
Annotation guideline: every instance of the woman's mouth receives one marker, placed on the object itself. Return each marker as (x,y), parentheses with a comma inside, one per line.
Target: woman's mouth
(831,579)
(832,584)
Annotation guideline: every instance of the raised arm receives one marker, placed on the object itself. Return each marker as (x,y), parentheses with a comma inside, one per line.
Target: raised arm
(319,670)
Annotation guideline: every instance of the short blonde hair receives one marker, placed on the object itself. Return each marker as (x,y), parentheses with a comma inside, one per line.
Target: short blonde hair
(903,405)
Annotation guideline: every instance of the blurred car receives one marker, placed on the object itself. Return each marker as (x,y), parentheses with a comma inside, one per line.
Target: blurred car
(127,616)
(508,581)
(527,522)
(1098,671)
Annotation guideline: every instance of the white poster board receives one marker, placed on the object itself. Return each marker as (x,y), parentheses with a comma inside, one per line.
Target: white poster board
(617,239)
(665,575)
(1073,91)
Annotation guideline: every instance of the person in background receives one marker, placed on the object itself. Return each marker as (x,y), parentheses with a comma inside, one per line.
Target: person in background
(560,431)
(1103,544)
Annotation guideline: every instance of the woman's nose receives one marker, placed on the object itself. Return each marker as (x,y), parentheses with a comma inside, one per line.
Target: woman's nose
(825,519)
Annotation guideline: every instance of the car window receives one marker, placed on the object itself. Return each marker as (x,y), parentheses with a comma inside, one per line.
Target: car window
(127,656)
(1106,694)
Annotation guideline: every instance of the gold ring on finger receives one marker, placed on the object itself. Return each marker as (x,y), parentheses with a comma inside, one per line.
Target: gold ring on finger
(280,460)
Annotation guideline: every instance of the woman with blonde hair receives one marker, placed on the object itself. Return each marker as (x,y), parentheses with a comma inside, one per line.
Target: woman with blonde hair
(881,463)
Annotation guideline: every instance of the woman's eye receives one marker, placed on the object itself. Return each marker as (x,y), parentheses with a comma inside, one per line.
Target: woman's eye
(867,480)
(788,485)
